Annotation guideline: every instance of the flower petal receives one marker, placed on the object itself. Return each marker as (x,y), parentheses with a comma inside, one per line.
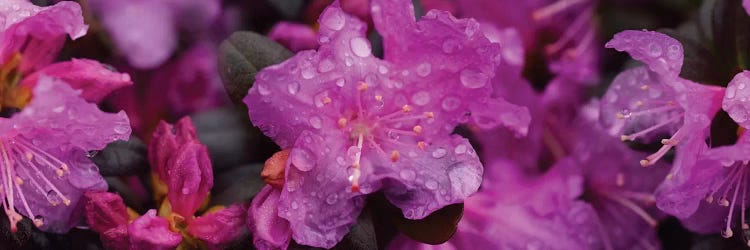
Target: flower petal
(268,229)
(116,238)
(37,32)
(736,102)
(221,227)
(94,79)
(660,52)
(104,210)
(152,232)
(295,37)
(145,32)
(189,178)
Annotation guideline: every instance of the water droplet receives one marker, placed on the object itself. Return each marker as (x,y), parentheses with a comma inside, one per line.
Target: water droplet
(92,153)
(293,88)
(473,79)
(626,113)
(262,89)
(308,73)
(122,129)
(460,149)
(334,20)
(340,160)
(421,98)
(59,109)
(439,153)
(738,113)
(407,175)
(315,122)
(295,205)
(185,191)
(348,61)
(431,184)
(332,199)
(382,69)
(727,163)
(450,45)
(673,51)
(451,103)
(424,69)
(741,85)
(731,92)
(325,66)
(654,50)
(379,104)
(340,82)
(360,46)
(727,233)
(302,159)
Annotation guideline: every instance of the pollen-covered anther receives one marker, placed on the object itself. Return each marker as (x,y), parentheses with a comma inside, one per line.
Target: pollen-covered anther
(624,138)
(639,103)
(362,86)
(724,202)
(644,87)
(18,180)
(417,129)
(395,155)
(326,100)
(379,98)
(421,145)
(406,108)
(342,122)
(620,115)
(727,233)
(59,172)
(429,115)
(38,222)
(669,142)
(645,163)
(710,199)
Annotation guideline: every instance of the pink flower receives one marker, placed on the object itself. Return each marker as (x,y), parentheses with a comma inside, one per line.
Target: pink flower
(357,124)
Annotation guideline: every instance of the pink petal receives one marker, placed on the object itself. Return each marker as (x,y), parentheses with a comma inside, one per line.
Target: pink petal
(116,238)
(152,232)
(295,37)
(94,79)
(660,52)
(104,210)
(268,229)
(736,102)
(221,227)
(189,178)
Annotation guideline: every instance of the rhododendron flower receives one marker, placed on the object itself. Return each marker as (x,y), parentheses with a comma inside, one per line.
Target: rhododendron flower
(146,31)
(746,5)
(31,37)
(718,176)
(182,169)
(357,124)
(294,36)
(652,100)
(43,150)
(541,213)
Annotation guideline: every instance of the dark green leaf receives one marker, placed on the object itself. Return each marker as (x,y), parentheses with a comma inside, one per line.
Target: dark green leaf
(237,185)
(362,235)
(436,228)
(242,55)
(122,158)
(227,135)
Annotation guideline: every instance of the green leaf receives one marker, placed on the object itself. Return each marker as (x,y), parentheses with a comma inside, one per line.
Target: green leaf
(122,158)
(242,55)
(437,228)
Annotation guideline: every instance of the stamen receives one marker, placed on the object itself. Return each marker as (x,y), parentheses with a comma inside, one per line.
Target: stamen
(326,100)
(644,87)
(727,233)
(355,166)
(342,122)
(651,159)
(362,86)
(395,155)
(634,208)
(572,32)
(429,114)
(421,145)
(417,129)
(634,136)
(406,108)
(553,9)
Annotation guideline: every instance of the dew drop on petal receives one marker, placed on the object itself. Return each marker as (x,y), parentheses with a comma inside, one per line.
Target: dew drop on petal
(460,149)
(293,88)
(295,205)
(407,174)
(673,51)
(451,103)
(262,89)
(308,73)
(431,184)
(315,122)
(421,98)
(731,92)
(53,198)
(332,199)
(325,66)
(302,159)
(449,46)
(473,79)
(424,69)
(654,50)
(360,46)
(439,153)
(340,82)
(382,69)
(334,20)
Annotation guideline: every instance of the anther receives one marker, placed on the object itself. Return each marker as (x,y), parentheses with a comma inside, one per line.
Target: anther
(417,129)
(66,202)
(620,180)
(421,145)
(59,172)
(624,138)
(362,86)
(19,180)
(620,115)
(429,114)
(639,103)
(724,202)
(710,199)
(645,163)
(379,98)
(326,100)
(395,155)
(38,222)
(406,108)
(644,87)
(342,122)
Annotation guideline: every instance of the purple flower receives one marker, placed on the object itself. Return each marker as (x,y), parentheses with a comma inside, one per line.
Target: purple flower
(44,148)
(183,174)
(542,213)
(269,230)
(746,5)
(357,124)
(146,31)
(31,38)
(652,100)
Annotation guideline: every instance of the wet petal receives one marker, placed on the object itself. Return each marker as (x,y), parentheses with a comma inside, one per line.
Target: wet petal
(95,80)
(221,227)
(152,232)
(268,229)
(116,238)
(295,37)
(736,102)
(166,141)
(104,211)
(189,178)
(37,32)
(660,52)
